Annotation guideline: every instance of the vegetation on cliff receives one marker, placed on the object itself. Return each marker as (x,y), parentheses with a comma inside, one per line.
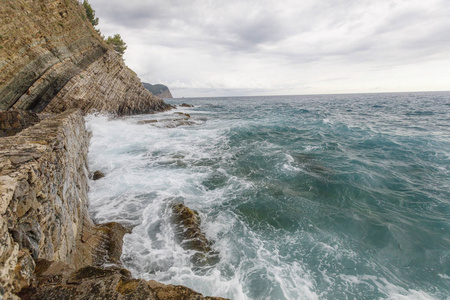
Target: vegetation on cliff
(117,43)
(55,60)
(90,13)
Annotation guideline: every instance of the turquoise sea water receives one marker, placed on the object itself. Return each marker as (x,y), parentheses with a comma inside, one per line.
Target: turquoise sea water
(305,197)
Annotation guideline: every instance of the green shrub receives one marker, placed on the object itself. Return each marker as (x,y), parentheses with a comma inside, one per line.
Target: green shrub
(117,43)
(90,13)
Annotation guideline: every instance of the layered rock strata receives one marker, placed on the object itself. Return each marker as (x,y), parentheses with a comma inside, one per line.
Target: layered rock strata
(53,61)
(108,86)
(49,246)
(43,188)
(58,282)
(51,56)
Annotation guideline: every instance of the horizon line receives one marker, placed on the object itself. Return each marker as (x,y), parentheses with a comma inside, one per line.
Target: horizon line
(319,94)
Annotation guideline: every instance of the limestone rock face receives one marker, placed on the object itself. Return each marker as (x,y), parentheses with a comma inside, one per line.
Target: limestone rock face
(43,190)
(50,53)
(14,121)
(102,283)
(44,44)
(107,86)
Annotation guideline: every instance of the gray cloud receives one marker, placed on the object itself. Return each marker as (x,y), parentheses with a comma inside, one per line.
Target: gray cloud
(246,46)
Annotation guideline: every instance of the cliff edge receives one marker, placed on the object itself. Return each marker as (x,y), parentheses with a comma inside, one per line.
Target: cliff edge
(50,248)
(52,59)
(52,62)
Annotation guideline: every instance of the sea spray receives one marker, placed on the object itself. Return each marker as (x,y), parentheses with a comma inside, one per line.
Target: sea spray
(304,197)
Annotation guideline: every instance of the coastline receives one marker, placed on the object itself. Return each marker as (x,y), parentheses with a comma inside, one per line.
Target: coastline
(56,65)
(50,240)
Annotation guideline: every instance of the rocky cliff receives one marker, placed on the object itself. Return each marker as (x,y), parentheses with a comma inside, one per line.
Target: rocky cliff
(53,62)
(43,188)
(49,246)
(51,59)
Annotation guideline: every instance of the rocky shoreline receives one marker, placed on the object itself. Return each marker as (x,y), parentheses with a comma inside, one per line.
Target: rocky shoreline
(51,249)
(53,63)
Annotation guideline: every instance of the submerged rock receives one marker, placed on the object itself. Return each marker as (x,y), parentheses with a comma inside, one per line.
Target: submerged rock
(188,116)
(147,122)
(97,175)
(190,236)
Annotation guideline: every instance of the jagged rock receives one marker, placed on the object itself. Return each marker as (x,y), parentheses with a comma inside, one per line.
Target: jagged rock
(186,105)
(52,61)
(109,86)
(190,236)
(24,271)
(102,283)
(147,122)
(43,193)
(55,61)
(14,121)
(97,175)
(188,116)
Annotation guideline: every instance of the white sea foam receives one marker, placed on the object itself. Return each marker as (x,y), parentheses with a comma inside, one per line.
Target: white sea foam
(284,225)
(148,167)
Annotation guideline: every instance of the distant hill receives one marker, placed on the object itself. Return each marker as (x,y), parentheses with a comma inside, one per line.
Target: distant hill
(158,90)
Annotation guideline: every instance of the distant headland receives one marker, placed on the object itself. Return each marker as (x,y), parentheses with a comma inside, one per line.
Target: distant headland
(158,90)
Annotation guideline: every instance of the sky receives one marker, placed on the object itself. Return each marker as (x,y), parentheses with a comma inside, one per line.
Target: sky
(208,48)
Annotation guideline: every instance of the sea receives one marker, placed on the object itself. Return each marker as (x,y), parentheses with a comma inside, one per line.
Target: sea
(302,197)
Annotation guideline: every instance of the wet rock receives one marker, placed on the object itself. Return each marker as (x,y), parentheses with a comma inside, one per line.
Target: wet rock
(187,224)
(147,122)
(103,283)
(186,105)
(187,116)
(14,121)
(97,175)
(101,244)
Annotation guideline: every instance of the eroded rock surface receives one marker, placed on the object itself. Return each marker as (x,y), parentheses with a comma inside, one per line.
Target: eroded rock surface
(107,86)
(101,283)
(188,231)
(43,190)
(52,59)
(14,121)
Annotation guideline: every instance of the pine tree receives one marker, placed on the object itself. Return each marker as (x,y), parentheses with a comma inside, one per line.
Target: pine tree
(90,13)
(117,43)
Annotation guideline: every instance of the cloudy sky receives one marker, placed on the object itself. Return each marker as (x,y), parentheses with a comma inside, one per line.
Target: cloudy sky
(202,48)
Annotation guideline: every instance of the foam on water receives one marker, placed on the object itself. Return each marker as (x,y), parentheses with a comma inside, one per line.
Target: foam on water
(304,198)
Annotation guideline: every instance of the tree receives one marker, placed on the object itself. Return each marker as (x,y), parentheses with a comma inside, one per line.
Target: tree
(90,13)
(117,43)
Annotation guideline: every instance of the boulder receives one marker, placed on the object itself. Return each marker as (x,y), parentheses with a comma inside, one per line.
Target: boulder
(190,236)
(97,175)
